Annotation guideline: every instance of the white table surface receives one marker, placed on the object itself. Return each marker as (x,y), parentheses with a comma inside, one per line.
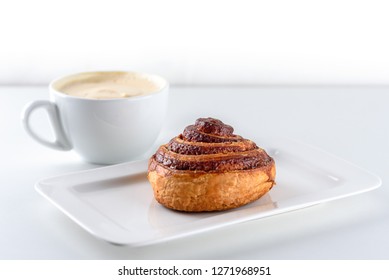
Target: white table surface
(350,122)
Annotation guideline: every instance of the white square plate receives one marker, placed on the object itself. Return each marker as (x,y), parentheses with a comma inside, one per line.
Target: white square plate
(116,203)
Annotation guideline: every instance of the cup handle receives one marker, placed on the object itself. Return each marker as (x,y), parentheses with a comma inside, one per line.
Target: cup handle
(61,141)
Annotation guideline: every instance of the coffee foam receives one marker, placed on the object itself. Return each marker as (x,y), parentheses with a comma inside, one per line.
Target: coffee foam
(109,85)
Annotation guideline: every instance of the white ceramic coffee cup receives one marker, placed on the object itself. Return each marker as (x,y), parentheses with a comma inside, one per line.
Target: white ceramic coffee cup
(103,131)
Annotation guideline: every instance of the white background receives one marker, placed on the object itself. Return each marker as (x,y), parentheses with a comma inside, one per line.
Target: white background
(198,42)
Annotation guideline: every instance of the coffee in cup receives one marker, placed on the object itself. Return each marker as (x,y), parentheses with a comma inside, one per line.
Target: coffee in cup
(107,85)
(105,117)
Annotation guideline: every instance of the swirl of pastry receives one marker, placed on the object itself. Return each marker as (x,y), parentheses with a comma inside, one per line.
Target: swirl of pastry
(208,168)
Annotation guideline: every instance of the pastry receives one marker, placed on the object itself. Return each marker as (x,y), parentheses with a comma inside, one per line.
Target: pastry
(208,168)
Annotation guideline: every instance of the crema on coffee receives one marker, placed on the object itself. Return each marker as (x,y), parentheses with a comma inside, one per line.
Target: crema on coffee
(108,85)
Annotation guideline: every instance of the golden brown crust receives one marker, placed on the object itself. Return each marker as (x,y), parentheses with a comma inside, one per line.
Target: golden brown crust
(207,168)
(205,191)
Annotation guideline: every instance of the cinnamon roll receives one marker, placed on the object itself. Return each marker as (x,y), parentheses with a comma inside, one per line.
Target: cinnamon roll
(208,168)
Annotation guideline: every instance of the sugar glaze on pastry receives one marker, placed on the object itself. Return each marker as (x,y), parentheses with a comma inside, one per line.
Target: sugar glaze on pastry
(208,168)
